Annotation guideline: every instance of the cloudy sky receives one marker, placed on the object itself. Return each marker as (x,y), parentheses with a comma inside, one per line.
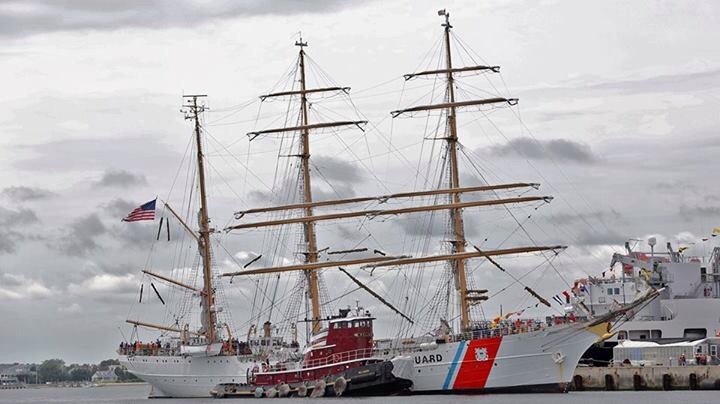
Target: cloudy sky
(618,119)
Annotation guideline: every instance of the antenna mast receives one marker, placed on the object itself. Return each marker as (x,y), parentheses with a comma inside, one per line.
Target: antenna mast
(193,110)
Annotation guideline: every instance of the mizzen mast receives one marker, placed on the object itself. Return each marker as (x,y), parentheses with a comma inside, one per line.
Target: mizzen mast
(208,293)
(457,257)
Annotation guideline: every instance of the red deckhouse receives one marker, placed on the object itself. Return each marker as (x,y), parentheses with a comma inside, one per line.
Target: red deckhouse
(346,343)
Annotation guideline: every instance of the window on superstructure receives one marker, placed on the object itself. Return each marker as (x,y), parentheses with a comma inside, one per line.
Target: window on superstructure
(695,333)
(610,291)
(617,291)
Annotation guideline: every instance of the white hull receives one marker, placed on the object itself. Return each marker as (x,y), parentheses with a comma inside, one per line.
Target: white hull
(177,376)
(542,360)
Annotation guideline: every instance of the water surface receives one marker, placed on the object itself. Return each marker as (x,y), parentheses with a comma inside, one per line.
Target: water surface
(138,394)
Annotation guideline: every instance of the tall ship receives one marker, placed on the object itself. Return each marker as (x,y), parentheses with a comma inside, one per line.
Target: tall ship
(197,349)
(428,290)
(456,348)
(686,309)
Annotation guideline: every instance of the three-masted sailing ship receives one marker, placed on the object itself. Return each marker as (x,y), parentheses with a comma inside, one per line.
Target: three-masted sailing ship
(460,354)
(520,355)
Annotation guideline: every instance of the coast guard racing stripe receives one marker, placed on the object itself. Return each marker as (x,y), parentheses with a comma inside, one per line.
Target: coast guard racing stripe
(459,353)
(472,371)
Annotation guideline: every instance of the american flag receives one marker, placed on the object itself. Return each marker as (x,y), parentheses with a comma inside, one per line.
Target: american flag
(145,211)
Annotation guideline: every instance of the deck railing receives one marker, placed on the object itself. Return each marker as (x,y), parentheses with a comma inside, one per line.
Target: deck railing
(339,357)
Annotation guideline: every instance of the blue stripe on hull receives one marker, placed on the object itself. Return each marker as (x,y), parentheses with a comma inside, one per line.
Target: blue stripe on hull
(453,365)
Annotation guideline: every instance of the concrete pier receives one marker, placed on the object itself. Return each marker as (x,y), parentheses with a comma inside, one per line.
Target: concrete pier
(647,378)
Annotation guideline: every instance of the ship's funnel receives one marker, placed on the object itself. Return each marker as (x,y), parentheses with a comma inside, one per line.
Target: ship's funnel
(267,329)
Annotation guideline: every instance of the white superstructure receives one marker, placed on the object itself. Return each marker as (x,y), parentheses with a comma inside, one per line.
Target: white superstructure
(688,307)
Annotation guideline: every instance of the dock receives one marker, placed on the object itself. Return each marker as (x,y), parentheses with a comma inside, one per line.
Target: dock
(696,377)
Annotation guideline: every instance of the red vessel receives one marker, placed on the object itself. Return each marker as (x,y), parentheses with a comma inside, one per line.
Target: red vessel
(338,361)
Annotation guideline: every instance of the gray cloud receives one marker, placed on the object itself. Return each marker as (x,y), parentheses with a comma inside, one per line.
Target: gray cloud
(677,186)
(336,169)
(79,238)
(336,192)
(10,281)
(26,17)
(85,154)
(120,178)
(23,193)
(119,207)
(11,218)
(699,212)
(319,194)
(564,219)
(141,235)
(695,81)
(9,240)
(595,238)
(438,226)
(334,178)
(556,149)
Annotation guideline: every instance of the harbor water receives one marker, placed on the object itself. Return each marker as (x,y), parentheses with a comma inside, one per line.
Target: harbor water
(138,394)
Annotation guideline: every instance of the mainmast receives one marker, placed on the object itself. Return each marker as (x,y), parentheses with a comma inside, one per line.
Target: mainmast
(308,227)
(208,293)
(456,219)
(311,253)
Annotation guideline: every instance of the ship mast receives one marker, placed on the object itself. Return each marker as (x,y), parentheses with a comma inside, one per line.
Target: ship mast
(311,253)
(456,219)
(308,227)
(465,296)
(208,293)
(458,242)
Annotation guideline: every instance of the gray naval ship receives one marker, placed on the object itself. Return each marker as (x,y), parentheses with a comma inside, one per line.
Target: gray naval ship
(687,309)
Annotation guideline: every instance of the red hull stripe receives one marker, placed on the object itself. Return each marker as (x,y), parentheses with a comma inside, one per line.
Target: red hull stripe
(477,363)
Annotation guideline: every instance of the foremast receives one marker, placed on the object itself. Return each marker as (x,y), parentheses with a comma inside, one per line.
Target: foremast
(208,292)
(192,111)
(309,235)
(311,254)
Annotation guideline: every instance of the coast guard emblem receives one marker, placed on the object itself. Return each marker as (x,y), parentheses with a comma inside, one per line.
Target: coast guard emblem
(481,354)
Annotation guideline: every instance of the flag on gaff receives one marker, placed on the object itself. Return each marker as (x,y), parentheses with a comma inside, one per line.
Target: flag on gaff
(145,211)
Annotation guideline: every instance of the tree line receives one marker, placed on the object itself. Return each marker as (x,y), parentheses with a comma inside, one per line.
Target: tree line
(55,370)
